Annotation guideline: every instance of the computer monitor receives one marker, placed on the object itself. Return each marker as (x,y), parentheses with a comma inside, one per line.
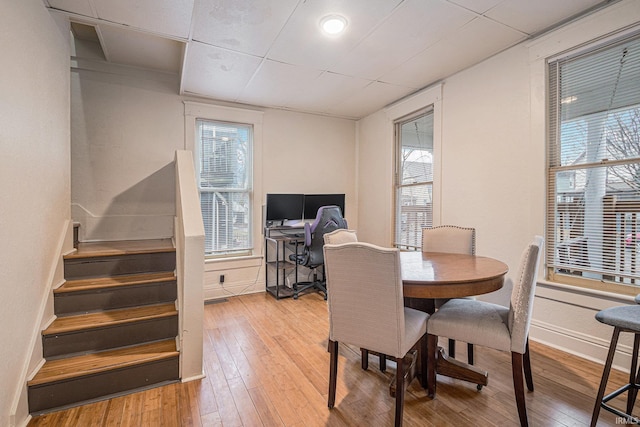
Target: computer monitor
(312,203)
(282,207)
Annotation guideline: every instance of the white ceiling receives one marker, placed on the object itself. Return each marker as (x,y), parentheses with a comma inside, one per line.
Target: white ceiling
(272,53)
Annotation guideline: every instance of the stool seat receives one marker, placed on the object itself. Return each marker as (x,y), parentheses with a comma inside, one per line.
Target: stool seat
(623,319)
(626,317)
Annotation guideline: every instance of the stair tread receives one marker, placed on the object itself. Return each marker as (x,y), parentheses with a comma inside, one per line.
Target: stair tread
(122,247)
(109,318)
(77,366)
(112,282)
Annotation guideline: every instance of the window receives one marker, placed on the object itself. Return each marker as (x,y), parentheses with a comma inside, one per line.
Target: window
(593,208)
(414,178)
(225,184)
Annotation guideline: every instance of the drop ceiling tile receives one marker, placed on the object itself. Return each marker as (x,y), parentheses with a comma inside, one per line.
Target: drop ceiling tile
(81,7)
(413,27)
(141,50)
(454,53)
(217,73)
(248,26)
(275,83)
(169,17)
(326,90)
(372,98)
(301,41)
(534,16)
(478,6)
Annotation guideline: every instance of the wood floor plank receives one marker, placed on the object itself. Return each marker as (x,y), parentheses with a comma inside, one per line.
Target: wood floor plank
(266,364)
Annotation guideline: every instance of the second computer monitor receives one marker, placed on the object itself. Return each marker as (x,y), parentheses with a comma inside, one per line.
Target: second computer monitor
(312,202)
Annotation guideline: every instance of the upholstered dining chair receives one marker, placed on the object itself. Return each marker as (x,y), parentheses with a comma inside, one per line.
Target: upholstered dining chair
(450,239)
(494,326)
(341,235)
(345,236)
(366,309)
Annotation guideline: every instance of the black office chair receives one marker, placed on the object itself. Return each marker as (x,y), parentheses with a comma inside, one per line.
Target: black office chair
(328,219)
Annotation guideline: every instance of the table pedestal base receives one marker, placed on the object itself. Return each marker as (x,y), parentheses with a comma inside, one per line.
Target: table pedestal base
(453,368)
(447,366)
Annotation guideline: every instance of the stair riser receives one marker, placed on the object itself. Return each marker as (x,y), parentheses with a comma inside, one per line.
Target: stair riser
(43,398)
(114,298)
(84,268)
(92,340)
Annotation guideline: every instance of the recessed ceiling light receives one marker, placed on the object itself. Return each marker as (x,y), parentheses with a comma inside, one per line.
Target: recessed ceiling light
(333,24)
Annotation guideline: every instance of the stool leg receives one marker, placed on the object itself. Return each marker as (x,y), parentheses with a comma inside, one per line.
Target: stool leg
(605,376)
(633,375)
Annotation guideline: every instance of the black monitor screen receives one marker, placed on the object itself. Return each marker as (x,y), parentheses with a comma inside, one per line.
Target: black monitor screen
(313,201)
(284,206)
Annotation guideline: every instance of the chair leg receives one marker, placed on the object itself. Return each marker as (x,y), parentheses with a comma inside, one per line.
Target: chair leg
(333,372)
(605,376)
(518,386)
(399,391)
(470,353)
(527,366)
(424,361)
(452,348)
(634,375)
(432,351)
(383,362)
(364,359)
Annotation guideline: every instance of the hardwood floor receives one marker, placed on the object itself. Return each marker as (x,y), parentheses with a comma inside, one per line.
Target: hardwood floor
(267,364)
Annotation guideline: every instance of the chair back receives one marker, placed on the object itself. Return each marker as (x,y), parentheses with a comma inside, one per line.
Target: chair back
(328,219)
(366,307)
(522,295)
(340,236)
(449,239)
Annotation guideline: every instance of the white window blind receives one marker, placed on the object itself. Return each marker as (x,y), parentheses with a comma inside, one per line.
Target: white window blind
(225,185)
(593,207)
(414,179)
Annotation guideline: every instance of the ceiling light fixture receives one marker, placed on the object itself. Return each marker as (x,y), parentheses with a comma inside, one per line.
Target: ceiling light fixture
(333,25)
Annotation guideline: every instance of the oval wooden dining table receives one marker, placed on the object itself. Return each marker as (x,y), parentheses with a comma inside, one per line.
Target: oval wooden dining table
(430,275)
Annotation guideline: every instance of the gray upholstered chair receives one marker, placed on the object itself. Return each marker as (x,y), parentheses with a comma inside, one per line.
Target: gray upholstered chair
(366,309)
(450,239)
(493,325)
(625,318)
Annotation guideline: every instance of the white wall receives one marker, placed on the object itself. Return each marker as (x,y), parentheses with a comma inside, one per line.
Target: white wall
(300,153)
(493,172)
(125,128)
(34,181)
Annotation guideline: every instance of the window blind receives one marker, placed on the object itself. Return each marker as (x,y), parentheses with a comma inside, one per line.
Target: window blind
(593,206)
(414,179)
(224,181)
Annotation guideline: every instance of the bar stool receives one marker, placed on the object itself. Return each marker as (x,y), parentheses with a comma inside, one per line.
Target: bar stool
(623,319)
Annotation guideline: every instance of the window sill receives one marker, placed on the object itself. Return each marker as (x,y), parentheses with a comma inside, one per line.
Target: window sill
(583,296)
(226,259)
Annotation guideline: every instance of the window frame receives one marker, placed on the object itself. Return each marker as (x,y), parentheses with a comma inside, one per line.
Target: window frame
(398,183)
(427,98)
(245,189)
(553,144)
(196,110)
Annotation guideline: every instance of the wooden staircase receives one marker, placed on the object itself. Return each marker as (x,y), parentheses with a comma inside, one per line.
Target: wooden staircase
(116,325)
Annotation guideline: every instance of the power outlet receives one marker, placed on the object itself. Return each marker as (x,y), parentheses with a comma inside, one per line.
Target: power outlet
(221,278)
